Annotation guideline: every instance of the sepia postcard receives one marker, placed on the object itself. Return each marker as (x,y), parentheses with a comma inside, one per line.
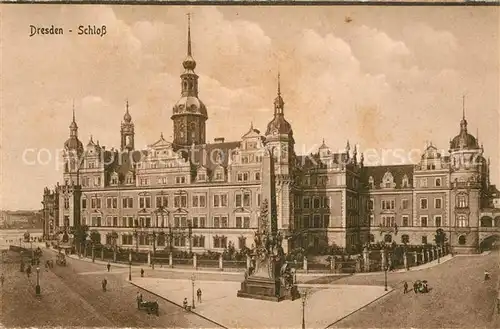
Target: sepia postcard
(249,166)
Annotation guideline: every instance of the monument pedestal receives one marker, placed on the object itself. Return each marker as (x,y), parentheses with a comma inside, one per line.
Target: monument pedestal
(267,289)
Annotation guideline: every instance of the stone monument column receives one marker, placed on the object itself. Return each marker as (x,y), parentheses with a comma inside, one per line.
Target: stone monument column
(366,259)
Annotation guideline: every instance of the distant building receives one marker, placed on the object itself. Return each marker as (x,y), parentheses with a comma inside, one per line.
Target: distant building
(203,195)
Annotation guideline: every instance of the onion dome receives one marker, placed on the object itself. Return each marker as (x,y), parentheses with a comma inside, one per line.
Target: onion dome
(463,140)
(278,124)
(73,144)
(127,117)
(190,105)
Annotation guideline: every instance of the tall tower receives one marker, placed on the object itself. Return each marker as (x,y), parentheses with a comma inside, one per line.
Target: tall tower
(72,153)
(280,143)
(465,195)
(189,114)
(127,132)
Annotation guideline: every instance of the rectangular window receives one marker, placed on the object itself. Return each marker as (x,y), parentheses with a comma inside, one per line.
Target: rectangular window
(405,204)
(224,222)
(258,199)
(239,222)
(199,201)
(238,200)
(220,200)
(388,204)
(306,203)
(109,202)
(437,182)
(438,203)
(240,177)
(257,176)
(246,222)
(437,221)
(405,220)
(128,202)
(423,221)
(84,203)
(424,239)
(326,202)
(202,221)
(423,182)
(326,221)
(115,221)
(371,204)
(317,221)
(423,203)
(372,220)
(216,222)
(161,201)
(180,180)
(316,203)
(305,221)
(246,199)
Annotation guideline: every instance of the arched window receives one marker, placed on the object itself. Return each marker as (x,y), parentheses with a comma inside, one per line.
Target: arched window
(462,240)
(372,238)
(462,221)
(388,238)
(462,201)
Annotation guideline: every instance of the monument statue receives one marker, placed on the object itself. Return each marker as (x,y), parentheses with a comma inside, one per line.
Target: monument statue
(271,278)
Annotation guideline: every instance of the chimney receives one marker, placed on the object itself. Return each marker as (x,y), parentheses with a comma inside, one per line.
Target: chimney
(219,140)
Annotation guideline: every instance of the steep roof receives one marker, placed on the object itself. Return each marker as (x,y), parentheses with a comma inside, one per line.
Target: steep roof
(211,155)
(397,171)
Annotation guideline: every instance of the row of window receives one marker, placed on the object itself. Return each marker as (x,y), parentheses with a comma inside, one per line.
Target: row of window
(181,221)
(314,221)
(220,200)
(198,241)
(312,202)
(390,221)
(389,183)
(405,204)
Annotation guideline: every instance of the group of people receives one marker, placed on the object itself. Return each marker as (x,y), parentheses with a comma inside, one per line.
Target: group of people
(185,303)
(418,286)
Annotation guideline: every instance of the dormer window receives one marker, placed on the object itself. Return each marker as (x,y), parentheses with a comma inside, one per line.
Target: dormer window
(404,182)
(219,175)
(91,165)
(202,177)
(114,180)
(371,182)
(388,181)
(129,179)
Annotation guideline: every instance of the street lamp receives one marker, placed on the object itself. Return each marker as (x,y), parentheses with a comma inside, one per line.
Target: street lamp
(386,269)
(37,288)
(304,297)
(192,282)
(129,265)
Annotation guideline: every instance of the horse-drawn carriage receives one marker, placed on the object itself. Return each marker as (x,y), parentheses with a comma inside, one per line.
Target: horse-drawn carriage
(150,307)
(61,259)
(421,286)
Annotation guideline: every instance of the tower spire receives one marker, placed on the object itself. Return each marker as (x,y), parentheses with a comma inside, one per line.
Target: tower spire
(189,34)
(279,84)
(463,107)
(74,111)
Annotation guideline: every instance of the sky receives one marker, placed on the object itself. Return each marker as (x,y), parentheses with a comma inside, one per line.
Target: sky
(388,78)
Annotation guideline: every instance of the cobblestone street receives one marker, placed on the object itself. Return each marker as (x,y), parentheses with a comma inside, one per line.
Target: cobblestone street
(71,299)
(459,297)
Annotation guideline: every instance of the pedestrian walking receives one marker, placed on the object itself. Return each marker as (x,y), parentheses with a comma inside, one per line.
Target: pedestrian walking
(198,294)
(486,275)
(405,286)
(2,279)
(415,287)
(108,266)
(104,284)
(142,272)
(139,300)
(185,303)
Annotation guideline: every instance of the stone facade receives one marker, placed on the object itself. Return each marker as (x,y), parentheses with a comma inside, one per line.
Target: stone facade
(206,195)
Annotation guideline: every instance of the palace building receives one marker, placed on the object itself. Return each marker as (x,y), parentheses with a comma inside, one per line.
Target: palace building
(205,195)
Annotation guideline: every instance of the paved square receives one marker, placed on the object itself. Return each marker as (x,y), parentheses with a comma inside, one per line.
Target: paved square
(325,303)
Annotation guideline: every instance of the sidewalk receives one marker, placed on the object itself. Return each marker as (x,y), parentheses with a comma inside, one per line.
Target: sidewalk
(325,304)
(300,276)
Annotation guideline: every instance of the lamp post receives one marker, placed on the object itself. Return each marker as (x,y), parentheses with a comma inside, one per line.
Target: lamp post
(304,297)
(37,288)
(386,268)
(130,265)
(192,283)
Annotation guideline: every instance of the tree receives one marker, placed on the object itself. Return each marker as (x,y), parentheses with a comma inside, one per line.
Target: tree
(95,237)
(440,237)
(81,233)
